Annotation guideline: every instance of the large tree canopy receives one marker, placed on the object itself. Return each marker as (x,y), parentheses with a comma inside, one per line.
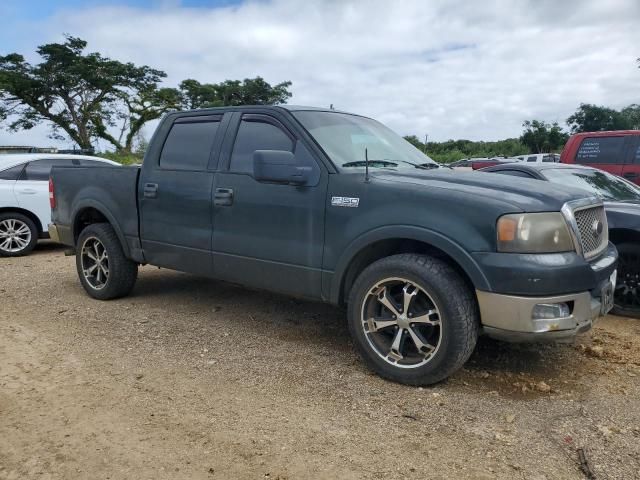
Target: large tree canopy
(594,118)
(83,95)
(250,91)
(541,137)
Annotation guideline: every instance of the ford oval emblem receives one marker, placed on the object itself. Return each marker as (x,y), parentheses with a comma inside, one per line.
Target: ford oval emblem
(596,228)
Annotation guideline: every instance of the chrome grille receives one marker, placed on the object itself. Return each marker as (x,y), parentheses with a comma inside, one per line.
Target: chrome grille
(593,231)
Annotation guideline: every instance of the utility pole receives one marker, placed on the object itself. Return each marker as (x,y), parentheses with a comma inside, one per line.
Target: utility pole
(426,139)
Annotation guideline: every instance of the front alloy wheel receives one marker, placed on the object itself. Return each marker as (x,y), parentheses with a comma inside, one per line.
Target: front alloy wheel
(401,322)
(412,318)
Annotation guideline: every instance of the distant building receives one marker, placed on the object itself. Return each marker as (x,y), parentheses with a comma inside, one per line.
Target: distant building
(28,149)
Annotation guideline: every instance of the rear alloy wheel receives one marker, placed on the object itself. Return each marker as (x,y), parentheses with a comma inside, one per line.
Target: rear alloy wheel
(18,235)
(627,294)
(95,263)
(104,270)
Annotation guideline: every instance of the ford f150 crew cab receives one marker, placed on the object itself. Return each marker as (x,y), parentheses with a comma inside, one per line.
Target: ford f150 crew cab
(336,207)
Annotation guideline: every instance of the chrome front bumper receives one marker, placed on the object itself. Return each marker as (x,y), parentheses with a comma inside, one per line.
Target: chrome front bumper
(510,318)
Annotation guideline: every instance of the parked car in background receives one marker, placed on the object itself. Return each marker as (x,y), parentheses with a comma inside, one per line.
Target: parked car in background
(489,162)
(539,158)
(24,197)
(617,152)
(622,204)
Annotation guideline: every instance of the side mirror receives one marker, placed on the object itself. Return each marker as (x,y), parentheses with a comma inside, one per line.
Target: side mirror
(279,166)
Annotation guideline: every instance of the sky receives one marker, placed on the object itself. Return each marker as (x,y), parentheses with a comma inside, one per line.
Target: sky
(447,68)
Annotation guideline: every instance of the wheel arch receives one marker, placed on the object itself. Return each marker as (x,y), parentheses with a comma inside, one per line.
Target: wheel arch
(393,240)
(90,212)
(27,213)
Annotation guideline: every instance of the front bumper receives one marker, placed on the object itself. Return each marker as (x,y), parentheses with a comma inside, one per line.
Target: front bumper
(510,318)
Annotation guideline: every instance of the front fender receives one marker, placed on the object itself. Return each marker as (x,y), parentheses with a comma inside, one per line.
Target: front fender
(406,232)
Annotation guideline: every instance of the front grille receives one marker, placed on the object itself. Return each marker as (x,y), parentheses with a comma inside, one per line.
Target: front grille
(593,233)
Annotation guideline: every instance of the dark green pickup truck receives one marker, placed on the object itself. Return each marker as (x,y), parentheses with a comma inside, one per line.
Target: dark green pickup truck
(336,207)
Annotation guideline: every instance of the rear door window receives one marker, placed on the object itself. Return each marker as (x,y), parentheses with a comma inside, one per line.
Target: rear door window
(532,159)
(188,145)
(601,150)
(39,170)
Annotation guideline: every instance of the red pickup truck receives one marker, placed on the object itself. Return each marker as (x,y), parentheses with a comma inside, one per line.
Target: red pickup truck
(617,152)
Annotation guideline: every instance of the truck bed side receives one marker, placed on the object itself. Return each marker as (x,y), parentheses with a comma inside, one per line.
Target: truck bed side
(106,193)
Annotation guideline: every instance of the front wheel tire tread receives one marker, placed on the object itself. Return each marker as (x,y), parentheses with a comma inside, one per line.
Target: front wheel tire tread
(455,300)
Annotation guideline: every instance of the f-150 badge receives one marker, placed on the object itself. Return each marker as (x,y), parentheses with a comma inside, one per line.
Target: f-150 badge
(345,201)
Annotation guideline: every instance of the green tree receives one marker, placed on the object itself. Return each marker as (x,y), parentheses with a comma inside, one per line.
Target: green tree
(632,116)
(81,95)
(593,118)
(250,91)
(542,137)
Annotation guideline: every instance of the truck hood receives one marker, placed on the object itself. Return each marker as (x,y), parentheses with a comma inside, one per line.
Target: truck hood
(630,208)
(527,195)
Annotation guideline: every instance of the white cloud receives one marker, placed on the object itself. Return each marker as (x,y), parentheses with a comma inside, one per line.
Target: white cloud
(464,69)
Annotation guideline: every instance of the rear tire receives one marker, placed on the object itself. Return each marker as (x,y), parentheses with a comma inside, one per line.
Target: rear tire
(413,319)
(104,271)
(627,294)
(18,235)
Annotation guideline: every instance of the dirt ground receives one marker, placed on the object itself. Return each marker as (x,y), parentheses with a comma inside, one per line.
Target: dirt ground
(192,378)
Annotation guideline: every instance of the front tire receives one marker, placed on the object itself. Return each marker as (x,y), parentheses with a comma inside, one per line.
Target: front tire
(103,269)
(626,297)
(18,235)
(413,319)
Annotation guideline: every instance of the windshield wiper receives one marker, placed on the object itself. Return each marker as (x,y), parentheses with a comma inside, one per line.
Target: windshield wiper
(428,166)
(372,163)
(423,166)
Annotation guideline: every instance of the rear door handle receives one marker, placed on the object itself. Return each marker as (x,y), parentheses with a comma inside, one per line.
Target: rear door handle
(27,191)
(150,190)
(223,197)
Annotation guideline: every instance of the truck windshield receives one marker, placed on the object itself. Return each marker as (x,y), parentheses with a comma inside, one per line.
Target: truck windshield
(345,137)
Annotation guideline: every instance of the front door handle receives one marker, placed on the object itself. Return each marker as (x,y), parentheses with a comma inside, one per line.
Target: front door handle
(223,197)
(150,190)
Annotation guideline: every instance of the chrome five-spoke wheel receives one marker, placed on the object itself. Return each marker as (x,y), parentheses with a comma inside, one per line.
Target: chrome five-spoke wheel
(15,235)
(95,263)
(401,323)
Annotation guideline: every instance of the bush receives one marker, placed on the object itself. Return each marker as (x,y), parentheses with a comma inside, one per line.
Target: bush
(121,157)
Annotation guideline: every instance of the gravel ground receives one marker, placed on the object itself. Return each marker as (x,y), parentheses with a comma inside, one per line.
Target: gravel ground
(192,378)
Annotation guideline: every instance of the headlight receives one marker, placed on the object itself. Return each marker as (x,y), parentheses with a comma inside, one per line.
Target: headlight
(534,233)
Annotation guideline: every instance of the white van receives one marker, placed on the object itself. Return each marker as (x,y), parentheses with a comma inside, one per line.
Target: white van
(540,157)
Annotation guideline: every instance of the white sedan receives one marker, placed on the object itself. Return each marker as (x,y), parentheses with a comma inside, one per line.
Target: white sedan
(24,197)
